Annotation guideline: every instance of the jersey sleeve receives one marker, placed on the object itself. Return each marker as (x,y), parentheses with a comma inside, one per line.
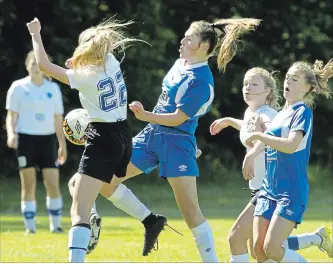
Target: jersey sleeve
(196,99)
(13,98)
(59,105)
(78,79)
(301,120)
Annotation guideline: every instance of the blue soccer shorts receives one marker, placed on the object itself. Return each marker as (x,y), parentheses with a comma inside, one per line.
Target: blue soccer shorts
(291,210)
(171,150)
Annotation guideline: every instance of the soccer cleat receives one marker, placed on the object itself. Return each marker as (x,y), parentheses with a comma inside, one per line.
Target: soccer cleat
(326,244)
(57,230)
(152,233)
(95,225)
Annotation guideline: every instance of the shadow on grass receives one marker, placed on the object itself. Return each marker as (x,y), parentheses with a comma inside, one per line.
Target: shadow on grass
(216,201)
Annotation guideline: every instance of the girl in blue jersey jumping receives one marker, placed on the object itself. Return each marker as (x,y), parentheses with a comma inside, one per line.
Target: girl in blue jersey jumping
(168,141)
(283,197)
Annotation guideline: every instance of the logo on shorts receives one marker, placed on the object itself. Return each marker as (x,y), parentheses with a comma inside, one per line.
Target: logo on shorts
(289,212)
(182,168)
(208,250)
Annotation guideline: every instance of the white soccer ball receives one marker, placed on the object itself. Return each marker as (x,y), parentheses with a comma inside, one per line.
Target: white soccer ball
(75,125)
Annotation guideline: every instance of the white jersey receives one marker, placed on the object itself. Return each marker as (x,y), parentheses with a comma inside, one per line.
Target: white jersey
(36,106)
(102,93)
(267,114)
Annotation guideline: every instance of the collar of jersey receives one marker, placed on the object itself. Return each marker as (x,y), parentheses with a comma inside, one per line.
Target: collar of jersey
(197,65)
(295,104)
(260,108)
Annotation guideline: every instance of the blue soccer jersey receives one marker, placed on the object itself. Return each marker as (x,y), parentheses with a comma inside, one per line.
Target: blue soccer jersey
(189,88)
(286,174)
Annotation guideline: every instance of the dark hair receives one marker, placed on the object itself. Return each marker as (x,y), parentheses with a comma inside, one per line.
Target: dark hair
(223,33)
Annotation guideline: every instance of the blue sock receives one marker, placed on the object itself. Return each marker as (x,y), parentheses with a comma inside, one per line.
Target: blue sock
(293,243)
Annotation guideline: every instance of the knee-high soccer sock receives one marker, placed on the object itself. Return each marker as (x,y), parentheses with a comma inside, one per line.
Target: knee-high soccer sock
(244,258)
(54,208)
(205,242)
(303,241)
(28,209)
(93,209)
(125,200)
(291,256)
(78,239)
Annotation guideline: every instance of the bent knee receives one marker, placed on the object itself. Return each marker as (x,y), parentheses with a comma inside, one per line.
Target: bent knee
(108,190)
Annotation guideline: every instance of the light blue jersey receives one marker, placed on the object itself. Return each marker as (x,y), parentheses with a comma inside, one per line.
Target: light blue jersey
(189,88)
(286,174)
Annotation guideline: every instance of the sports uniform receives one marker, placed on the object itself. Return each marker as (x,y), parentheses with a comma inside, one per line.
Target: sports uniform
(36,107)
(173,149)
(267,114)
(285,189)
(103,94)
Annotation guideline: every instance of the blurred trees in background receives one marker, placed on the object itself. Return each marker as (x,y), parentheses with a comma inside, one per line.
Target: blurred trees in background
(290,31)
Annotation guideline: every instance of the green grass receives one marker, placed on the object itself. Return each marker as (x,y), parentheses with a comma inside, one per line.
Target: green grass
(122,236)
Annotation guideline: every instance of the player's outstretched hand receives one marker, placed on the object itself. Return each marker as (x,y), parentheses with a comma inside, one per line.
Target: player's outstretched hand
(34,26)
(137,108)
(250,138)
(218,125)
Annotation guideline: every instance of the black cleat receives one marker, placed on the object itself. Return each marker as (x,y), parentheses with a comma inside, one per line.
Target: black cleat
(152,233)
(95,225)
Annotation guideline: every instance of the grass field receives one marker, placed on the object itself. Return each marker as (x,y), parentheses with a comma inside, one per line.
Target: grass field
(122,236)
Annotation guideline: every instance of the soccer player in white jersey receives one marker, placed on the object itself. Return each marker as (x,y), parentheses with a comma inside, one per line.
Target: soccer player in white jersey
(136,212)
(34,123)
(168,141)
(97,75)
(283,197)
(261,95)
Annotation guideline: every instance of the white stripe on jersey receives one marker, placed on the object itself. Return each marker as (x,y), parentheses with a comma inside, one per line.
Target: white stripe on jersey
(204,108)
(182,90)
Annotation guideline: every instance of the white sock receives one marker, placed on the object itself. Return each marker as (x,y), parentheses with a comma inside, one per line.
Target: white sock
(244,258)
(269,261)
(93,209)
(78,239)
(28,209)
(291,256)
(54,208)
(308,239)
(125,200)
(205,242)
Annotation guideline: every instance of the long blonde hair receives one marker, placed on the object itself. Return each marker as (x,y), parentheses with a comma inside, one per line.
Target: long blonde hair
(224,34)
(96,42)
(273,97)
(317,76)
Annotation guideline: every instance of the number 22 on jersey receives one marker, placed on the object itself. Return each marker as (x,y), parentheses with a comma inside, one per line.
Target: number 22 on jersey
(114,92)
